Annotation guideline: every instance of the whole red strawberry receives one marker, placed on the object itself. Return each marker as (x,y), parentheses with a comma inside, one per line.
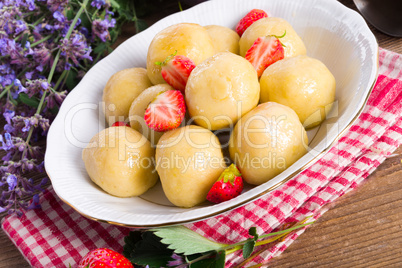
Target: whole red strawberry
(105,258)
(166,111)
(249,19)
(228,186)
(265,51)
(120,123)
(176,69)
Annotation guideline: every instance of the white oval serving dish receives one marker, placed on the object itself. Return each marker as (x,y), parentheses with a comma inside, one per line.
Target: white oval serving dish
(332,33)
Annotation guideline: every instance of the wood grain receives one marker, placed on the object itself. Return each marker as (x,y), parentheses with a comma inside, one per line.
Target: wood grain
(361,229)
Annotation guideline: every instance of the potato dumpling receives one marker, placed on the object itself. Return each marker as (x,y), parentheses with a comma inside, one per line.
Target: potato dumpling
(220,90)
(273,26)
(137,111)
(120,160)
(189,161)
(188,39)
(224,38)
(302,83)
(120,91)
(266,141)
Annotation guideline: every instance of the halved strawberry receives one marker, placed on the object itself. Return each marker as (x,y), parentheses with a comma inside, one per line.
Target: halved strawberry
(228,186)
(176,69)
(120,123)
(166,111)
(249,19)
(265,51)
(104,257)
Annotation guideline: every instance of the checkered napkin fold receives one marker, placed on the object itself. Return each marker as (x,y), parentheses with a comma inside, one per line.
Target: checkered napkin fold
(56,235)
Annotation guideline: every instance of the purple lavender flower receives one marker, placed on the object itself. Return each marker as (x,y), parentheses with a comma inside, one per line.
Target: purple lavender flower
(178,262)
(35,202)
(20,26)
(20,87)
(20,166)
(28,75)
(8,115)
(59,16)
(98,3)
(55,99)
(6,141)
(54,5)
(101,28)
(27,126)
(31,4)
(15,52)
(7,75)
(76,48)
(12,182)
(36,86)
(42,56)
(24,68)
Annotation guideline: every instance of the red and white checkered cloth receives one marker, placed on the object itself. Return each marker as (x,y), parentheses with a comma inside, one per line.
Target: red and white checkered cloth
(56,235)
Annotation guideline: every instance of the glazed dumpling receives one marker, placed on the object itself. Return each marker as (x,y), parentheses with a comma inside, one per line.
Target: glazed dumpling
(304,84)
(137,111)
(224,38)
(266,141)
(293,45)
(188,39)
(120,91)
(220,90)
(120,160)
(189,161)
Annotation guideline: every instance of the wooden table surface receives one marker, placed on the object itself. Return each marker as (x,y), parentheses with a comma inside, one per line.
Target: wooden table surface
(362,228)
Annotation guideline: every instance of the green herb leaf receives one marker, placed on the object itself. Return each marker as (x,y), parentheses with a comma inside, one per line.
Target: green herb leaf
(140,25)
(24,40)
(70,14)
(85,21)
(71,80)
(215,261)
(100,48)
(183,240)
(24,98)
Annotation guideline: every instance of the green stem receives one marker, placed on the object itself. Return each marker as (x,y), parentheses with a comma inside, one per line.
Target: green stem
(238,246)
(65,79)
(97,58)
(41,41)
(4,91)
(77,16)
(201,258)
(39,20)
(286,231)
(7,89)
(115,4)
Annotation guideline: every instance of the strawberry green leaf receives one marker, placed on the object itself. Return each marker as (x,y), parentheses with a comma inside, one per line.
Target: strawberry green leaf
(144,248)
(183,240)
(253,232)
(248,248)
(250,244)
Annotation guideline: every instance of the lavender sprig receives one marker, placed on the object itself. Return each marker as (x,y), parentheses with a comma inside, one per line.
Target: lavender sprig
(45,47)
